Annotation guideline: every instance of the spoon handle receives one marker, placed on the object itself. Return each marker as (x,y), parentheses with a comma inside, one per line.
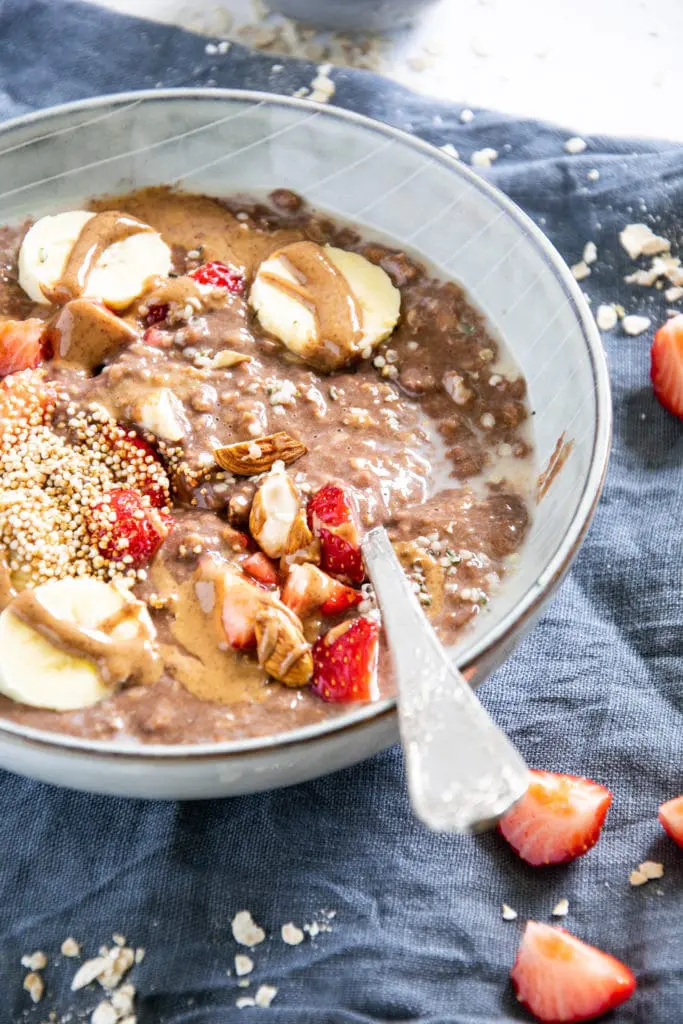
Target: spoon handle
(463,772)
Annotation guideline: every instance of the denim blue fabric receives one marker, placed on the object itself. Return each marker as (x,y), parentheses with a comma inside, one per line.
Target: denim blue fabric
(595,689)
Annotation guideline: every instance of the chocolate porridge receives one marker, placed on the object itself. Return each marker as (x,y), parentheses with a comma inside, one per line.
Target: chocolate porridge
(204,404)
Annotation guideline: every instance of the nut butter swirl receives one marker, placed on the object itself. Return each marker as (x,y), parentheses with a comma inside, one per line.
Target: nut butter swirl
(116,658)
(98,234)
(323,289)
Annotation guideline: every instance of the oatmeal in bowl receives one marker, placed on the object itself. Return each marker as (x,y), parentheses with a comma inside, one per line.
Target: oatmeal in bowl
(236,332)
(205,403)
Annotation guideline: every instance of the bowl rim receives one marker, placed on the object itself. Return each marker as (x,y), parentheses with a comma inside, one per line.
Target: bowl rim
(565,552)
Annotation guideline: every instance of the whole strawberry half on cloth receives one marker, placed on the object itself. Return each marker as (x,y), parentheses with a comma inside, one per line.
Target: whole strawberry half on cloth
(127,529)
(331,517)
(561,979)
(671,819)
(558,818)
(666,365)
(345,662)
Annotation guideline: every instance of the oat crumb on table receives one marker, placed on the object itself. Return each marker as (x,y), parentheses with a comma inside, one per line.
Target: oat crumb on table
(243,965)
(291,934)
(70,947)
(245,930)
(561,908)
(508,913)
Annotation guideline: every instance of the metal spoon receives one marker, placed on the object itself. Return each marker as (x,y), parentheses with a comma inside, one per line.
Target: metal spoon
(463,772)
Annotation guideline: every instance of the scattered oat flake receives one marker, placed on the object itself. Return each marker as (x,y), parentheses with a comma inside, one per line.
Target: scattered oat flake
(508,913)
(120,940)
(34,961)
(580,271)
(265,995)
(123,999)
(561,908)
(243,965)
(673,294)
(575,145)
(88,971)
(119,962)
(70,947)
(466,115)
(104,1013)
(244,1001)
(139,954)
(450,150)
(245,930)
(651,869)
(593,174)
(606,317)
(640,240)
(590,252)
(35,986)
(635,325)
(637,878)
(291,934)
(484,157)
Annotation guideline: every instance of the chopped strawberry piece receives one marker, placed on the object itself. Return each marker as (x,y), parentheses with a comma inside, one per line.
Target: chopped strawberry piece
(330,507)
(261,568)
(219,275)
(307,588)
(558,818)
(345,662)
(154,481)
(340,558)
(561,979)
(25,398)
(156,338)
(124,526)
(341,597)
(671,818)
(156,313)
(331,518)
(21,345)
(666,365)
(240,602)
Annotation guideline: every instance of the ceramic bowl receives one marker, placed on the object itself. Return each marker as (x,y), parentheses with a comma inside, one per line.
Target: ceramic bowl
(402,190)
(353,15)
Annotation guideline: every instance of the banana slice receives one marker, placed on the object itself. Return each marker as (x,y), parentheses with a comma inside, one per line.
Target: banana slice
(286,306)
(36,672)
(117,278)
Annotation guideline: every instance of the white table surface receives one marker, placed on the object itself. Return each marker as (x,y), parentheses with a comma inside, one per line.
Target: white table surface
(595,66)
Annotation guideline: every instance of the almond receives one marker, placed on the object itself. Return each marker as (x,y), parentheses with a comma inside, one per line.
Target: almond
(301,545)
(249,458)
(273,510)
(282,648)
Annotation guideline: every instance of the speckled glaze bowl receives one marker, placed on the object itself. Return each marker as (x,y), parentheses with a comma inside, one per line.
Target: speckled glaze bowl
(398,189)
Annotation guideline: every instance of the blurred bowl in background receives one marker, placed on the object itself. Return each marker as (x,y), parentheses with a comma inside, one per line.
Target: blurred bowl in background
(352,15)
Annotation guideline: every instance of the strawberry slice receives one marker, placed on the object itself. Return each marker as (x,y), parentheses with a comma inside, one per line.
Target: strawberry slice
(331,518)
(126,529)
(239,604)
(261,568)
(153,478)
(345,662)
(25,398)
(21,345)
(666,365)
(307,588)
(671,817)
(219,275)
(560,979)
(341,558)
(558,818)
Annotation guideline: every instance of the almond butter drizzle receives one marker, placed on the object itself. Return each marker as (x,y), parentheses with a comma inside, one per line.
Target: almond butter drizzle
(323,289)
(98,234)
(116,658)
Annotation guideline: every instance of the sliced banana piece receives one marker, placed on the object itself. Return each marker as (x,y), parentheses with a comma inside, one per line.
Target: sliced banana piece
(117,278)
(34,671)
(287,309)
(162,413)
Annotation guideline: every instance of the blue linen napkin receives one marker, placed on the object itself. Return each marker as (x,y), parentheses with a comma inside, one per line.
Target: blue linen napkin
(594,690)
